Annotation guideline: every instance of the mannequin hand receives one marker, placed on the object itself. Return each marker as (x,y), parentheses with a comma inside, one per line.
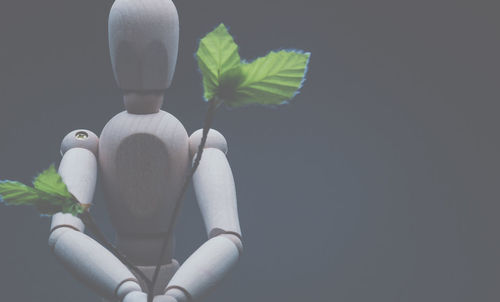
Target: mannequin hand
(164,298)
(136,296)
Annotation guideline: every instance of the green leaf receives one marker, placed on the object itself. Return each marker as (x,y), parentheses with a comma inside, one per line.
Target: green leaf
(50,182)
(217,54)
(16,193)
(49,195)
(271,80)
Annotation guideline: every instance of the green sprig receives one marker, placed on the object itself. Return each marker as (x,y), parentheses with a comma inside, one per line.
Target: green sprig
(49,194)
(269,80)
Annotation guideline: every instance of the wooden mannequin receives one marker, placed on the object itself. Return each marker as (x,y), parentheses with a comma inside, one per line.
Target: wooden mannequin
(143,155)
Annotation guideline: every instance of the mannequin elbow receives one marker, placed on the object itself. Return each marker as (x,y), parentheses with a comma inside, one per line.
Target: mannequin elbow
(235,239)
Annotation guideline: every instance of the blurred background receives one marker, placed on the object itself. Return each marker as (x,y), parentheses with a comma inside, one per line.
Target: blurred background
(379,182)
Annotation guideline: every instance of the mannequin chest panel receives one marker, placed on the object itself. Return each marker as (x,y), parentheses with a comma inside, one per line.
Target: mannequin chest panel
(144,160)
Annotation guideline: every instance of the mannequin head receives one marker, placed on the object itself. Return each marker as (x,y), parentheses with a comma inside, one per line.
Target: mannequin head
(143,42)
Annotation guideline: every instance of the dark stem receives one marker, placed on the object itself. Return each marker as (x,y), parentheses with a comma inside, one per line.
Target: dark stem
(206,127)
(94,229)
(90,224)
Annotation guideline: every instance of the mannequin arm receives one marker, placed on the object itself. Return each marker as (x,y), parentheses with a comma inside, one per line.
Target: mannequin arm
(215,192)
(84,257)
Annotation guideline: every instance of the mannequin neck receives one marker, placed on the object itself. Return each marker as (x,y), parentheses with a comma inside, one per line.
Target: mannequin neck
(146,102)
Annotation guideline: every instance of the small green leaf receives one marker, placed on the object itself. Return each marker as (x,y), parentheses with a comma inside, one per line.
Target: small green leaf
(50,182)
(216,55)
(49,195)
(271,80)
(16,193)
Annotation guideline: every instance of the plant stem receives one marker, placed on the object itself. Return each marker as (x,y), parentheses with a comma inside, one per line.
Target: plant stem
(99,235)
(206,127)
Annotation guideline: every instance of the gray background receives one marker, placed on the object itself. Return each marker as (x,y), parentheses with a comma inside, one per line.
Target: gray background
(378,183)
